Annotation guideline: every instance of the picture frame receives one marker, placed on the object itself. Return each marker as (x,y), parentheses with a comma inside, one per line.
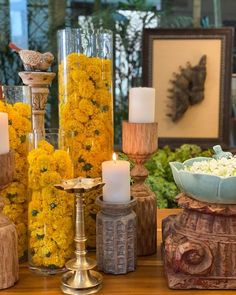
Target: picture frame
(164,51)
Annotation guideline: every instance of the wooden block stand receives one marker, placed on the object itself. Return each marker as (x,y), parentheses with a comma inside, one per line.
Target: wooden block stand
(199,246)
(139,142)
(9,267)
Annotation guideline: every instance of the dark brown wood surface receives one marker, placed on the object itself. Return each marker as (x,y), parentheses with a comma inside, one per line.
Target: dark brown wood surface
(147,279)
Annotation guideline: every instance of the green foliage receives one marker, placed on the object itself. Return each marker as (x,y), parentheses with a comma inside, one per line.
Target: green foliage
(160,179)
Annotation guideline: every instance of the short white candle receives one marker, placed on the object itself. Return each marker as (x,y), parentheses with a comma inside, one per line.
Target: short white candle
(142,105)
(116,176)
(4,134)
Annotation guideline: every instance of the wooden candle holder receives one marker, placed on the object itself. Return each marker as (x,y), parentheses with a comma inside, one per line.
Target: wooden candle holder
(9,267)
(139,142)
(39,83)
(6,169)
(116,237)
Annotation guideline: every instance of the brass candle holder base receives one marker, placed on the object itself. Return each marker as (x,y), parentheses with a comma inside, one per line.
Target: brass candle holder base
(139,142)
(81,279)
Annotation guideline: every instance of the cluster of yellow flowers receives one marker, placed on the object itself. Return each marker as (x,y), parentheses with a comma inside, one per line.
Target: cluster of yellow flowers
(50,213)
(86,118)
(15,195)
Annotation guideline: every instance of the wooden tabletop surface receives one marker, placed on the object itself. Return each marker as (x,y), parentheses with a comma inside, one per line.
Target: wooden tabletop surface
(147,279)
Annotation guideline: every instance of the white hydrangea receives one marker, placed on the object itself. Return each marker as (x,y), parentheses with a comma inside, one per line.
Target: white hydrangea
(223,167)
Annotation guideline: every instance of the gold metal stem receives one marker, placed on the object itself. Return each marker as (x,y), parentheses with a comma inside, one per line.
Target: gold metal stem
(81,279)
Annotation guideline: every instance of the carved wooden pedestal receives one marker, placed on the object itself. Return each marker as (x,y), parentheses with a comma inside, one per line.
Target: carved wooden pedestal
(39,83)
(9,267)
(116,237)
(199,246)
(139,141)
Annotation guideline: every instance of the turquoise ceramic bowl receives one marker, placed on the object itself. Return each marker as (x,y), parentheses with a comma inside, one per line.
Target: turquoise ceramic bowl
(204,187)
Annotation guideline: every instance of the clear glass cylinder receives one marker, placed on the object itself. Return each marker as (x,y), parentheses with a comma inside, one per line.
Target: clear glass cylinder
(17,103)
(86,105)
(51,211)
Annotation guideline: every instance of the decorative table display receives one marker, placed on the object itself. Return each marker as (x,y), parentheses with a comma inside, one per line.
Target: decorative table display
(80,279)
(16,103)
(139,141)
(116,222)
(9,267)
(199,243)
(85,106)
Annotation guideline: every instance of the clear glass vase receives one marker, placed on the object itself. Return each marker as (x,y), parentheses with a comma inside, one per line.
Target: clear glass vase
(17,103)
(86,105)
(51,211)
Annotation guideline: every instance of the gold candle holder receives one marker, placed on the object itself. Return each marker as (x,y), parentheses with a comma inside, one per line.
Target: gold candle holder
(81,279)
(139,142)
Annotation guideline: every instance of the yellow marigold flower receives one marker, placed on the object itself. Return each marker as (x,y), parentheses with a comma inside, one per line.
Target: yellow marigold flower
(47,147)
(22,109)
(45,163)
(85,88)
(49,178)
(34,154)
(3,107)
(63,163)
(86,106)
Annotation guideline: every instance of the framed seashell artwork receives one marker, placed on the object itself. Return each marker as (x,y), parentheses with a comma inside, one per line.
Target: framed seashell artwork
(191,71)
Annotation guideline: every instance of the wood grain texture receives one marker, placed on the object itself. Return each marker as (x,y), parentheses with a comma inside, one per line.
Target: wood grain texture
(9,266)
(200,246)
(6,169)
(139,139)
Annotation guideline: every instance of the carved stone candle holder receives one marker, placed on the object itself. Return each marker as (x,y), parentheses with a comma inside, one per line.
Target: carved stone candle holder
(39,83)
(80,279)
(9,267)
(116,237)
(139,142)
(199,245)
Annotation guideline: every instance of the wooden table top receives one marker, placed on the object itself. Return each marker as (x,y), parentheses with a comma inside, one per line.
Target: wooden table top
(147,279)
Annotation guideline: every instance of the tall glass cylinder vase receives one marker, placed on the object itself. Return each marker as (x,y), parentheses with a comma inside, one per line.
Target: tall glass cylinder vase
(86,105)
(17,103)
(50,212)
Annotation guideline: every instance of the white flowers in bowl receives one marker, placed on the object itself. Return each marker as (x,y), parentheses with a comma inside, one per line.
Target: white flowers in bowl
(224,167)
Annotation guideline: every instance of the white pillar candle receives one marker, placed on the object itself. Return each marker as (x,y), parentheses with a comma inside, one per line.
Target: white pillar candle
(116,176)
(4,134)
(142,105)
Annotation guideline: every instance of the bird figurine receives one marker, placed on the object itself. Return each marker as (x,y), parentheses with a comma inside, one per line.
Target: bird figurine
(34,60)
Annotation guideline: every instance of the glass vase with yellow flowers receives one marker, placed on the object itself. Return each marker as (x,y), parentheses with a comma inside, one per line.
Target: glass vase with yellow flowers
(86,106)
(16,102)
(50,212)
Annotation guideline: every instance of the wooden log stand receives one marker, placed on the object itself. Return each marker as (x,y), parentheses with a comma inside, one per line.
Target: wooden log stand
(9,267)
(199,246)
(139,142)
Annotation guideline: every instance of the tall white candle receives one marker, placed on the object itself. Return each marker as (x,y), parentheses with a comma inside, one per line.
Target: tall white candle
(4,134)
(142,105)
(116,176)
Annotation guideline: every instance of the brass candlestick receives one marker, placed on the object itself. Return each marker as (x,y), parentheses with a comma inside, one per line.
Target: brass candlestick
(139,142)
(80,279)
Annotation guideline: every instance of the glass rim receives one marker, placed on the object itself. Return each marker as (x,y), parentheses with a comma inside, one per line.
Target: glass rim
(90,31)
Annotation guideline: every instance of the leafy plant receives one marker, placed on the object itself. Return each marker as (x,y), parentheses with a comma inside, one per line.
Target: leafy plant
(160,179)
